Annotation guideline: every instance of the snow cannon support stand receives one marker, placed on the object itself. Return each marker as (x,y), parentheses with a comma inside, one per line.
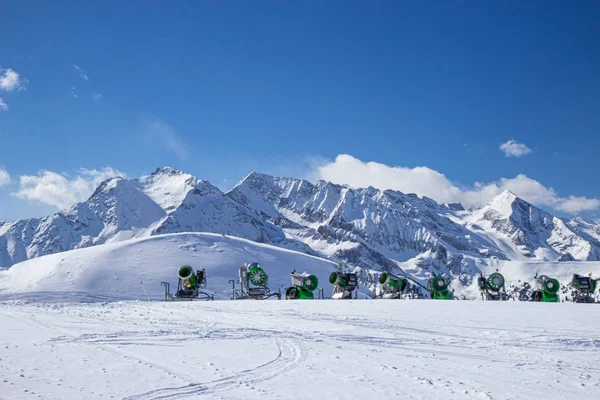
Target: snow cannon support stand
(189,286)
(439,287)
(344,285)
(584,288)
(302,287)
(253,282)
(391,286)
(545,289)
(492,286)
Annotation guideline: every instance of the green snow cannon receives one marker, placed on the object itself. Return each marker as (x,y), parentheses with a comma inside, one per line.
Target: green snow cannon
(302,287)
(342,279)
(495,282)
(439,288)
(256,275)
(584,286)
(344,284)
(546,289)
(187,276)
(492,286)
(392,285)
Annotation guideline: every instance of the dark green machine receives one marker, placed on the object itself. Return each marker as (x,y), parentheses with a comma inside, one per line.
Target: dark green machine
(303,286)
(492,286)
(253,281)
(190,285)
(391,286)
(344,284)
(439,287)
(545,289)
(584,288)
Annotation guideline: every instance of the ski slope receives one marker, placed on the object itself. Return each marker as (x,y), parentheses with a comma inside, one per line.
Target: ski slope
(115,271)
(322,349)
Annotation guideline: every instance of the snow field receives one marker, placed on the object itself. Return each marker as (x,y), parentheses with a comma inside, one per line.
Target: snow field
(419,349)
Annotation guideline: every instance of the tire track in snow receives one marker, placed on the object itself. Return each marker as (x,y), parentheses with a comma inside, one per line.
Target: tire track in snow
(289,354)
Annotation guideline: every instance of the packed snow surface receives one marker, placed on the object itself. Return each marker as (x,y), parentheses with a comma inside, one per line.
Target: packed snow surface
(321,349)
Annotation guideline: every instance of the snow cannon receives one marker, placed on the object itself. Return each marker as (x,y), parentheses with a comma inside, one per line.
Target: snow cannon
(302,287)
(492,286)
(392,286)
(344,284)
(584,288)
(189,286)
(253,282)
(545,289)
(187,277)
(439,286)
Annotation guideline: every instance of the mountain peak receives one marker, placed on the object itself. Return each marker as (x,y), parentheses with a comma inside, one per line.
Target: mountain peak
(167,170)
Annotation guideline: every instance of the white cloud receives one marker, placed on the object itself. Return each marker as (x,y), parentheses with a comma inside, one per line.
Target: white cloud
(96,96)
(82,74)
(574,205)
(11,80)
(512,148)
(73,92)
(425,181)
(159,130)
(3,105)
(4,177)
(60,190)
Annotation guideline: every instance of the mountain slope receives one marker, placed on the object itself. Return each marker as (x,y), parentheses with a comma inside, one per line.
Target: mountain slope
(532,232)
(116,210)
(369,227)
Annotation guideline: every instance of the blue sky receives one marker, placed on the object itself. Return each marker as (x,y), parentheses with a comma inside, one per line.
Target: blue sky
(219,89)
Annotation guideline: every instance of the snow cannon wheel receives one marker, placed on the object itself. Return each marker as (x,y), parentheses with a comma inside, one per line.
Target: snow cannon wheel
(440,284)
(292,293)
(495,281)
(257,276)
(551,285)
(186,273)
(310,283)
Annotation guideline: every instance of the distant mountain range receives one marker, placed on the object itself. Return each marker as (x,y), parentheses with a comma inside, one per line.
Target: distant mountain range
(367,227)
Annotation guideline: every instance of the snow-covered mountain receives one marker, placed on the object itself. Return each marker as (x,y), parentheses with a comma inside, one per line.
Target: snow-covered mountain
(375,229)
(532,232)
(167,201)
(367,227)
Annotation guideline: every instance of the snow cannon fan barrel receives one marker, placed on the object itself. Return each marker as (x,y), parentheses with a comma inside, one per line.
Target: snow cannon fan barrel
(256,275)
(344,284)
(438,285)
(303,286)
(546,289)
(495,282)
(346,280)
(392,282)
(187,277)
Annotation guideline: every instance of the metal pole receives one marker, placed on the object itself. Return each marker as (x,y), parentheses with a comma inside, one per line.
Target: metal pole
(142,283)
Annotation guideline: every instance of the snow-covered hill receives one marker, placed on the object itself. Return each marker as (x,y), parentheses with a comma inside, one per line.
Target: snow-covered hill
(116,270)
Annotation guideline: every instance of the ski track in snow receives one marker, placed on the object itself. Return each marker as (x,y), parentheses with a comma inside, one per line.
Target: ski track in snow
(412,349)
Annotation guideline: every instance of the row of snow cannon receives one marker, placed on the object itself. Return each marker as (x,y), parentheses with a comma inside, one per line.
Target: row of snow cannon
(253,284)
